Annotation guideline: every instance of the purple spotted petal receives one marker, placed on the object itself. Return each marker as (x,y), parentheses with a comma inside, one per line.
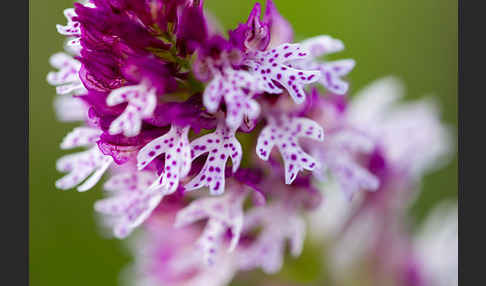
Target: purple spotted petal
(278,224)
(349,174)
(131,201)
(331,72)
(141,104)
(237,88)
(220,145)
(80,166)
(73,45)
(273,66)
(175,145)
(331,75)
(66,79)
(223,213)
(341,153)
(81,136)
(285,132)
(322,45)
(72,28)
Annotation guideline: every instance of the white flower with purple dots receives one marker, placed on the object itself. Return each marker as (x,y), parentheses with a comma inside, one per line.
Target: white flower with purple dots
(220,146)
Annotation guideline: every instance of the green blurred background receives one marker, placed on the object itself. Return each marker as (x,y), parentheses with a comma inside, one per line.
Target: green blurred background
(415,40)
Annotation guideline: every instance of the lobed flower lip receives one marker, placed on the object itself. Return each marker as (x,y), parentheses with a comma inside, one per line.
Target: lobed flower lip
(87,166)
(220,146)
(237,88)
(175,145)
(275,73)
(283,132)
(132,203)
(266,251)
(224,213)
(66,79)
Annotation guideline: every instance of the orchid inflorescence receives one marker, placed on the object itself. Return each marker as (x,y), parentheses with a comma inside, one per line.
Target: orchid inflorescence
(167,104)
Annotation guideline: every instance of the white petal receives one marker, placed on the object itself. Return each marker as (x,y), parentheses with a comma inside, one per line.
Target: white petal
(285,132)
(220,146)
(141,104)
